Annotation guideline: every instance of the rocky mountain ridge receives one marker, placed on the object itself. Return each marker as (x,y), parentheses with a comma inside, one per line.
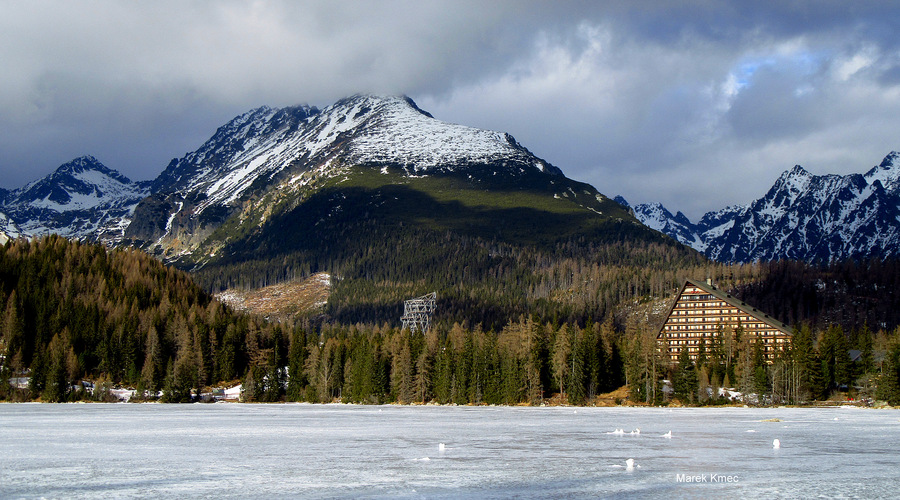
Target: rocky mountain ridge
(268,157)
(268,161)
(802,217)
(82,199)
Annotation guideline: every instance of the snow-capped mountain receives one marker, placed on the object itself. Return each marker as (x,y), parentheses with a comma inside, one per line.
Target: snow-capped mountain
(360,130)
(802,217)
(268,156)
(82,199)
(375,158)
(655,216)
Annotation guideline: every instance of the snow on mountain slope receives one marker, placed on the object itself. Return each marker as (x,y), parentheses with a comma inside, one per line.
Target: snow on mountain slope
(886,173)
(362,130)
(81,199)
(286,149)
(802,217)
(8,229)
(655,216)
(395,131)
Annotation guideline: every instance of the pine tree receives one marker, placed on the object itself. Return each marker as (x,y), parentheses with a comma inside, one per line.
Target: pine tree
(13,335)
(577,391)
(423,382)
(701,352)
(643,363)
(152,375)
(842,370)
(56,385)
(39,369)
(808,364)
(865,346)
(404,371)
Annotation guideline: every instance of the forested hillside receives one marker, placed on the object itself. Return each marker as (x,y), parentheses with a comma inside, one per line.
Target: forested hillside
(853,294)
(74,312)
(492,255)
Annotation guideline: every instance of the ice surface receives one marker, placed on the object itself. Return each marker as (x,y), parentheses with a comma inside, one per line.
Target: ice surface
(340,451)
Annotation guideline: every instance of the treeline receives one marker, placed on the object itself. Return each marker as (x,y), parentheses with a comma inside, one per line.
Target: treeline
(523,363)
(493,282)
(815,365)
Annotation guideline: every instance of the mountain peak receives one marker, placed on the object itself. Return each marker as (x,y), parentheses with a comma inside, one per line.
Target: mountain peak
(797,172)
(887,172)
(888,161)
(364,129)
(789,185)
(393,130)
(87,163)
(81,163)
(288,153)
(82,198)
(84,175)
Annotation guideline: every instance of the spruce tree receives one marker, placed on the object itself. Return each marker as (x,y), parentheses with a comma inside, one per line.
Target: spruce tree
(296,359)
(577,392)
(685,379)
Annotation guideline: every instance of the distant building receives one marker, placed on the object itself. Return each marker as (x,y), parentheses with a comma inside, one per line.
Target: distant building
(701,311)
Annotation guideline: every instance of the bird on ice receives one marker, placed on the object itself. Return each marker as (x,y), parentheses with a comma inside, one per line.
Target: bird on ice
(776,444)
(667,435)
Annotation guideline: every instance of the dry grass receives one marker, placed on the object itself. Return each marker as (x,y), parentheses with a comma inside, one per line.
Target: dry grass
(614,398)
(283,300)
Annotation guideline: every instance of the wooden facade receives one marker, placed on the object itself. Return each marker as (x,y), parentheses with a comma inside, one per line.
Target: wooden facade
(701,311)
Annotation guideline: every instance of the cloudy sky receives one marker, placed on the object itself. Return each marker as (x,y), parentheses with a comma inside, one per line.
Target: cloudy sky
(696,104)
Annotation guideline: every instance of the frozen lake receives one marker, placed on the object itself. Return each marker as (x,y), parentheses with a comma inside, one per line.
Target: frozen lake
(338,451)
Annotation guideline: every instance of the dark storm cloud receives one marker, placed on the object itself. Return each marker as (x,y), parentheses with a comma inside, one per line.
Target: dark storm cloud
(702,105)
(695,104)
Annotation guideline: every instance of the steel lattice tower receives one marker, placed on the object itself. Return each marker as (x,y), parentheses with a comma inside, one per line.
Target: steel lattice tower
(417,313)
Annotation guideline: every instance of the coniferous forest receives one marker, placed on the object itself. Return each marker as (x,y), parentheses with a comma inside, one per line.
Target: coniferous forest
(76,312)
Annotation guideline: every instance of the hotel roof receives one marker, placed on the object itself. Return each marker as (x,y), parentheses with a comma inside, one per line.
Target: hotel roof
(730,300)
